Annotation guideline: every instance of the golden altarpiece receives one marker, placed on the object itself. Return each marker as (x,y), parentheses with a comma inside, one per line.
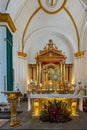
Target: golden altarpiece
(50,78)
(50,72)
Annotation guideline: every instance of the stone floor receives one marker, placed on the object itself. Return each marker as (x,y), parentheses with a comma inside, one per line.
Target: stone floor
(27,122)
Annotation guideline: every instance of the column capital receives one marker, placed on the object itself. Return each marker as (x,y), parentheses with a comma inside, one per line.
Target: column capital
(22,54)
(39,62)
(79,53)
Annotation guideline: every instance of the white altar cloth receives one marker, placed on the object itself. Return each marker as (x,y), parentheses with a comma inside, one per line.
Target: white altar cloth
(55,96)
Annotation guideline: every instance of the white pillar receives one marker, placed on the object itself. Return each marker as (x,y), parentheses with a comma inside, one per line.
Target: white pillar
(29,104)
(3,63)
(81,104)
(22,74)
(85,68)
(76,69)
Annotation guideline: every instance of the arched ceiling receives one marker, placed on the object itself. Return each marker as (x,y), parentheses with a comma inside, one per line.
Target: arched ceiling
(13,7)
(22,12)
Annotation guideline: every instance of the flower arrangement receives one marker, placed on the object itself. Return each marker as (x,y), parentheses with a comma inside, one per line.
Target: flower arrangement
(56,111)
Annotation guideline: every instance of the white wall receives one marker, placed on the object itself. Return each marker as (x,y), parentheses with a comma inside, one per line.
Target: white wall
(85,56)
(2,63)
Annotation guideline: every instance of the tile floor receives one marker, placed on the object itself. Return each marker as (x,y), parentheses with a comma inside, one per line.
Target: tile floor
(31,123)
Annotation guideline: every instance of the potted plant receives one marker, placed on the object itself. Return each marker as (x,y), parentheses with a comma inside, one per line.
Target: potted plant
(56,111)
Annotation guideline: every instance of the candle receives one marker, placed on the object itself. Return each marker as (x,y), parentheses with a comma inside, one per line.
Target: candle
(31,81)
(40,85)
(68,85)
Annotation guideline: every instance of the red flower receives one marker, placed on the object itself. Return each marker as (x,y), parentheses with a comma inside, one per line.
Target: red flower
(56,112)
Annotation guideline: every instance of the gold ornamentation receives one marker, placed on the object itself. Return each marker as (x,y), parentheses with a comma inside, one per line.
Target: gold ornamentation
(27,27)
(71,17)
(22,54)
(13,97)
(79,53)
(74,107)
(38,105)
(52,3)
(50,12)
(50,48)
(5,17)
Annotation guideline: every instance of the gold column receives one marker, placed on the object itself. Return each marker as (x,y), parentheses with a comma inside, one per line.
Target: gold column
(69,73)
(37,72)
(32,73)
(61,70)
(64,71)
(44,75)
(34,76)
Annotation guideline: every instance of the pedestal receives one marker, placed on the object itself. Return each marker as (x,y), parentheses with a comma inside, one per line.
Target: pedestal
(13,97)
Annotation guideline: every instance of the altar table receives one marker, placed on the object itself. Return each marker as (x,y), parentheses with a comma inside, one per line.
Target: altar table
(37,101)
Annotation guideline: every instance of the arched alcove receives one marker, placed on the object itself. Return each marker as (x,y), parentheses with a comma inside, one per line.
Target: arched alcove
(39,39)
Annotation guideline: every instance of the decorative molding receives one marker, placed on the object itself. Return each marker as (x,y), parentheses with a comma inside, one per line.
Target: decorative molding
(5,17)
(79,53)
(27,27)
(22,54)
(49,12)
(50,53)
(52,12)
(71,17)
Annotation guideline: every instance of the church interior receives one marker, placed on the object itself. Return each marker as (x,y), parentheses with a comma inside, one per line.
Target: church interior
(43,64)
